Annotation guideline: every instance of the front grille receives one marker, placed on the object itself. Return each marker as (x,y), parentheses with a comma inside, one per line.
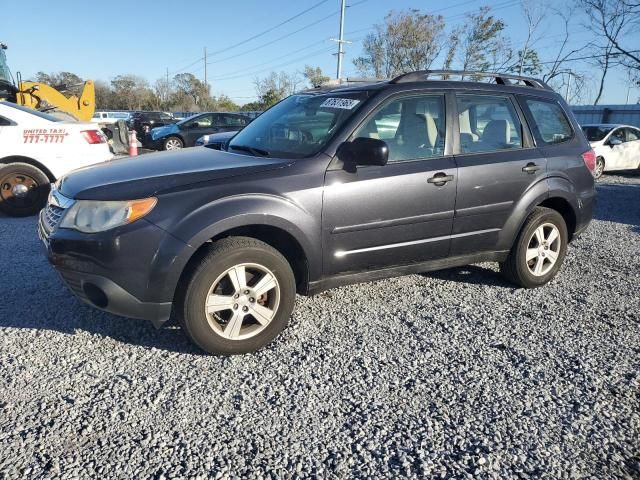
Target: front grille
(51,217)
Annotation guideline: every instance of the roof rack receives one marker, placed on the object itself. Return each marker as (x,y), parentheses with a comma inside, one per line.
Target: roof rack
(500,78)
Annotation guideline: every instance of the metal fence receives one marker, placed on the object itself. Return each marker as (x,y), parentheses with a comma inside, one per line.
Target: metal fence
(626,114)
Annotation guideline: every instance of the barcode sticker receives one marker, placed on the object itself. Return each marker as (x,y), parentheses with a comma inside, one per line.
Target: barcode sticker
(344,103)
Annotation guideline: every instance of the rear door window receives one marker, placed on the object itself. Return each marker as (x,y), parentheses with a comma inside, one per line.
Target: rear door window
(632,134)
(550,121)
(488,123)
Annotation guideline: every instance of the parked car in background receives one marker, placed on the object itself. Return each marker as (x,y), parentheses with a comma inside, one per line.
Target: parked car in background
(108,118)
(309,197)
(36,149)
(143,122)
(187,131)
(617,146)
(217,141)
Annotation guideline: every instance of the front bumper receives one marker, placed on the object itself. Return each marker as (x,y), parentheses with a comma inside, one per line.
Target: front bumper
(127,271)
(102,293)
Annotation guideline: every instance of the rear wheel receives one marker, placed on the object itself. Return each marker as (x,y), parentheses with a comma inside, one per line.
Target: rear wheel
(539,250)
(23,189)
(238,298)
(173,143)
(599,168)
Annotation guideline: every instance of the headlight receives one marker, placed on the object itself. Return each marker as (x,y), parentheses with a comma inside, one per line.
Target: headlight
(92,216)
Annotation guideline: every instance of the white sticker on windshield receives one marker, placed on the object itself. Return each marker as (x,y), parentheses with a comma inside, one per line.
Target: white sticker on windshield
(344,103)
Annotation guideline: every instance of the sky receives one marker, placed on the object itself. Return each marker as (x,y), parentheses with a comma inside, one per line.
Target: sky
(99,40)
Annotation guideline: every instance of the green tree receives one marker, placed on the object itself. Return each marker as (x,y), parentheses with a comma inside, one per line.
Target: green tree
(527,62)
(484,47)
(190,93)
(225,104)
(314,76)
(131,92)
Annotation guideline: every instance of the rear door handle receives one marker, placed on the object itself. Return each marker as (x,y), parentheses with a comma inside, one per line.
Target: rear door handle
(439,179)
(531,168)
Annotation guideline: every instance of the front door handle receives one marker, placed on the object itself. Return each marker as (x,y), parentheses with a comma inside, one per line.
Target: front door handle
(439,179)
(531,168)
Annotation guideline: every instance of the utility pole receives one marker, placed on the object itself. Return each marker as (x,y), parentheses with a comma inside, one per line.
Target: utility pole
(341,40)
(205,65)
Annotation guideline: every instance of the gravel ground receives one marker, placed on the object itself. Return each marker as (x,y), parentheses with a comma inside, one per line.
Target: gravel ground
(454,374)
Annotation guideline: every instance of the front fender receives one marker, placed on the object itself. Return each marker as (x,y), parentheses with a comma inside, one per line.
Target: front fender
(219,216)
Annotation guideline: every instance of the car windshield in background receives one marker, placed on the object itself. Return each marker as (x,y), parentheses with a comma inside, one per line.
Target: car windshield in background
(595,133)
(297,127)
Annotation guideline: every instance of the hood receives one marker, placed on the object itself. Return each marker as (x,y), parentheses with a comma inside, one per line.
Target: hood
(164,130)
(144,176)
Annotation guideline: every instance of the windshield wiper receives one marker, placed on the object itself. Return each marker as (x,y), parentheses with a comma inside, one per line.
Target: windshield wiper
(257,152)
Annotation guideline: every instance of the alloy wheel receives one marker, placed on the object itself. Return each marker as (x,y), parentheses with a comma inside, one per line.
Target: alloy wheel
(173,144)
(242,301)
(543,249)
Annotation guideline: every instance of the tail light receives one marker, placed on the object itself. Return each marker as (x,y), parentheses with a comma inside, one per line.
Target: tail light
(94,136)
(589,158)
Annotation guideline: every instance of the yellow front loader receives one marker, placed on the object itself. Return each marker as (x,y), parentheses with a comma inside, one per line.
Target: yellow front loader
(40,96)
(43,97)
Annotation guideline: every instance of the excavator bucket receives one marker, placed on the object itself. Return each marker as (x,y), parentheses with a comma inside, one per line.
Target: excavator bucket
(40,96)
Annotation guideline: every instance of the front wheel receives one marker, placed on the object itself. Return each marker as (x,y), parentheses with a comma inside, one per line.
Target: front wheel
(239,297)
(539,250)
(173,143)
(23,189)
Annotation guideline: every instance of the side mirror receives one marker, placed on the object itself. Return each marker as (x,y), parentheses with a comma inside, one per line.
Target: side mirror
(365,151)
(613,141)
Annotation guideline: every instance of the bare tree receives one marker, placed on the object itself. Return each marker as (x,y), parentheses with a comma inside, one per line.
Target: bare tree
(557,66)
(276,86)
(534,14)
(407,41)
(618,21)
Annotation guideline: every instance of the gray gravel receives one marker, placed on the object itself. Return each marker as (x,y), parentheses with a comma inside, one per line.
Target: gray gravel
(449,375)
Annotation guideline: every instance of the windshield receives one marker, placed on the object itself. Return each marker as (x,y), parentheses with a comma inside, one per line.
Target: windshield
(5,73)
(595,133)
(45,116)
(299,126)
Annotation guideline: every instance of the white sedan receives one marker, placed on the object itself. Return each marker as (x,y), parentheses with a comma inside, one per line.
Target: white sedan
(617,147)
(36,149)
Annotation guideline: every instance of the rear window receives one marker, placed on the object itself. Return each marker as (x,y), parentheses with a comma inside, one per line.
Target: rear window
(551,122)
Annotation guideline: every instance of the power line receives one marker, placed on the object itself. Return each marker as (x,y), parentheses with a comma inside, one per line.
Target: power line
(272,67)
(269,29)
(253,37)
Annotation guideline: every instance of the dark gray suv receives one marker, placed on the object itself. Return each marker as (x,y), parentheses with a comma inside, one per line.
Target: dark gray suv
(328,187)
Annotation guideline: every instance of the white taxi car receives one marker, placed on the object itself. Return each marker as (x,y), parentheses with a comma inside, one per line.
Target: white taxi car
(36,149)
(617,147)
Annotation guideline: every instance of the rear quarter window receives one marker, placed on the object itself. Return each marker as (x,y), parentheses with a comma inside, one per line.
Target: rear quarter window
(550,121)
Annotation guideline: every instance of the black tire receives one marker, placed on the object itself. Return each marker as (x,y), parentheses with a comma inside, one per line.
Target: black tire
(33,179)
(598,171)
(516,268)
(178,141)
(204,273)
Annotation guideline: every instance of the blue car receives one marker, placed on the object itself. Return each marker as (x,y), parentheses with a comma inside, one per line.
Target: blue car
(186,132)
